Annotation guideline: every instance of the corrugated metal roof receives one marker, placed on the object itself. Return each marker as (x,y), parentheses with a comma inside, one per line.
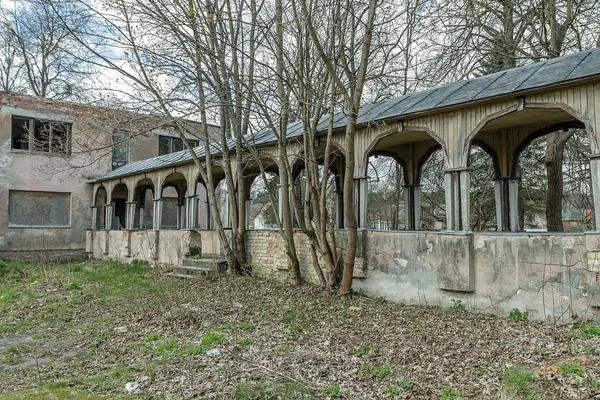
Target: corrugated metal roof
(529,77)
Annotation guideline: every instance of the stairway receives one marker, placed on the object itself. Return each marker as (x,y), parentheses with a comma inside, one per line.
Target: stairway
(192,268)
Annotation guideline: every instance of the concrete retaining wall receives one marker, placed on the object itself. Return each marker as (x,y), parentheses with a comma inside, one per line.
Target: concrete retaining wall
(551,276)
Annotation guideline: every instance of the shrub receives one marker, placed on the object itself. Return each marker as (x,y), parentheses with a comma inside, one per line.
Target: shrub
(457,305)
(517,315)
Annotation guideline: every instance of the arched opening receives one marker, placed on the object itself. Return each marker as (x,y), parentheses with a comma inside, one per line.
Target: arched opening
(222,196)
(543,180)
(173,201)
(333,197)
(263,202)
(100,204)
(385,198)
(404,171)
(483,176)
(144,199)
(119,207)
(433,198)
(576,214)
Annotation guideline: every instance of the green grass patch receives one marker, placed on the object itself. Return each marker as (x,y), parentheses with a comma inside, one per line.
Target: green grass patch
(285,349)
(246,326)
(165,348)
(518,380)
(267,390)
(380,372)
(571,368)
(245,342)
(333,390)
(448,393)
(542,350)
(586,330)
(364,350)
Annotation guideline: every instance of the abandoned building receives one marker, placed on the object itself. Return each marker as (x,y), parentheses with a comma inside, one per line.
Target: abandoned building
(48,151)
(549,274)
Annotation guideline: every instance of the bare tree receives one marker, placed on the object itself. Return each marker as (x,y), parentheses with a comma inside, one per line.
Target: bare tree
(42,58)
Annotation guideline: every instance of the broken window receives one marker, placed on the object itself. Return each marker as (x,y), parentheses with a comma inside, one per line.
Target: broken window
(39,209)
(120,152)
(42,136)
(168,144)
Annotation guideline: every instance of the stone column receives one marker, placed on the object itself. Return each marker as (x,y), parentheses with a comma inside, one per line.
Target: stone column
(157,214)
(141,219)
(130,215)
(94,217)
(595,172)
(108,216)
(457,185)
(180,216)
(339,209)
(191,207)
(412,207)
(363,190)
(506,191)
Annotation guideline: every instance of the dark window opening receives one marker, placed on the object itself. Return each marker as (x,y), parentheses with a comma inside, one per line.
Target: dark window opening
(168,144)
(120,152)
(42,136)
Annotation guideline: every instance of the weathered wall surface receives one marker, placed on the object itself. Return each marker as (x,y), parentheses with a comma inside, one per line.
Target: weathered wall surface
(550,276)
(547,275)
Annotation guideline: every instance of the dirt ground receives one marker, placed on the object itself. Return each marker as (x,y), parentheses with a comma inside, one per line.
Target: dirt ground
(95,330)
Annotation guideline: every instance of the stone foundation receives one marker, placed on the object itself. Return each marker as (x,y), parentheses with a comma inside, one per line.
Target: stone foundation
(551,276)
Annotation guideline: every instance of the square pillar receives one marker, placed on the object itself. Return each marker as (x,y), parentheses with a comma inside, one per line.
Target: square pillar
(94,218)
(458,201)
(280,203)
(339,209)
(130,215)
(363,190)
(412,207)
(506,193)
(417,207)
(513,204)
(157,214)
(108,216)
(191,210)
(595,172)
(181,215)
(141,217)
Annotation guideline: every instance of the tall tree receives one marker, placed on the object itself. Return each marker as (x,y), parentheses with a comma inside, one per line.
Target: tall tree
(42,58)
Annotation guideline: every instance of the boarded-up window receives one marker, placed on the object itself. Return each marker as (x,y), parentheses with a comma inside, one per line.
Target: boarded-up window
(27,208)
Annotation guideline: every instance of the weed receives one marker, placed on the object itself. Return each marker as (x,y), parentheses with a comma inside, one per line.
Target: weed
(596,384)
(364,350)
(245,342)
(13,276)
(517,315)
(211,338)
(165,348)
(12,350)
(379,300)
(586,329)
(74,285)
(571,368)
(272,390)
(542,350)
(407,384)
(457,305)
(448,393)
(246,326)
(91,350)
(392,389)
(380,372)
(11,359)
(517,380)
(34,278)
(285,349)
(297,320)
(192,349)
(153,337)
(333,390)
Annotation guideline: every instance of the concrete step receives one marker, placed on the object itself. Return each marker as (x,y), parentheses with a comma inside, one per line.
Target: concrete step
(183,276)
(215,263)
(195,271)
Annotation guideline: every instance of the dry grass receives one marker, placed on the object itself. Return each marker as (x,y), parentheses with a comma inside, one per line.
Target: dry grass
(84,330)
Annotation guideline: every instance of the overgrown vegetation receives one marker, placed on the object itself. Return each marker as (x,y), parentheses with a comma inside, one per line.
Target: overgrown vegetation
(129,323)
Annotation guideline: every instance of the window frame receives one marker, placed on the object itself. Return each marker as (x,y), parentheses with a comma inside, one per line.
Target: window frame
(126,136)
(21,226)
(171,141)
(31,133)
